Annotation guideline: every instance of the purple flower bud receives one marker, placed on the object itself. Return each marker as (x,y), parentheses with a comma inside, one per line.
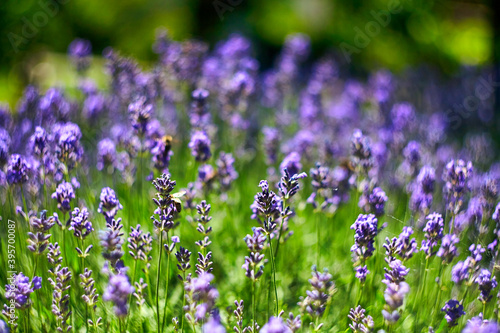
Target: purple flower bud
(275,325)
(64,194)
(20,288)
(486,283)
(118,291)
(200,146)
(292,163)
(17,170)
(361,273)
(39,141)
(448,250)
(80,223)
(454,310)
(109,204)
(106,154)
(433,233)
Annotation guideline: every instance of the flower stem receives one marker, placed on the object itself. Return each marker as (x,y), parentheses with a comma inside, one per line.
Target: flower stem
(158,271)
(273,267)
(166,287)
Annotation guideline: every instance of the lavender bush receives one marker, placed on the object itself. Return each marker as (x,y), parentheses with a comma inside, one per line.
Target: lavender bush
(173,164)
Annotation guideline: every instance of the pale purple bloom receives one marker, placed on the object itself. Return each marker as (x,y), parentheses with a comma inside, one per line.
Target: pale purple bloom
(118,291)
(406,247)
(80,223)
(275,325)
(20,288)
(292,163)
(448,250)
(64,194)
(106,154)
(486,283)
(17,170)
(109,204)
(433,233)
(200,146)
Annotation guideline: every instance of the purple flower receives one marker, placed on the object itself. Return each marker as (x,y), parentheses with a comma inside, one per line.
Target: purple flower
(213,325)
(377,200)
(68,148)
(80,223)
(319,296)
(360,322)
(39,141)
(496,214)
(200,146)
(361,150)
(406,247)
(140,112)
(402,115)
(265,208)
(106,155)
(292,163)
(433,233)
(365,230)
(118,291)
(20,288)
(161,153)
(448,250)
(460,271)
(225,170)
(54,105)
(486,283)
(394,297)
(254,266)
(271,144)
(411,153)
(275,325)
(456,176)
(199,115)
(64,194)
(79,50)
(396,272)
(361,273)
(454,310)
(109,204)
(479,325)
(17,170)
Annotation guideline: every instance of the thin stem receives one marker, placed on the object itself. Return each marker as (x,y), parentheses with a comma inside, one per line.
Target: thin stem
(130,296)
(166,288)
(158,282)
(24,204)
(281,226)
(421,290)
(273,267)
(317,240)
(183,301)
(64,239)
(254,306)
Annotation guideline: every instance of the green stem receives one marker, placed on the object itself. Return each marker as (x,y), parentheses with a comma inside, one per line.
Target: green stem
(273,267)
(166,288)
(254,306)
(158,282)
(183,301)
(318,247)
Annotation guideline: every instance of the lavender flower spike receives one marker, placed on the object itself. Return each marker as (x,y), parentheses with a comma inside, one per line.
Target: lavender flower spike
(64,194)
(118,290)
(109,204)
(275,325)
(454,310)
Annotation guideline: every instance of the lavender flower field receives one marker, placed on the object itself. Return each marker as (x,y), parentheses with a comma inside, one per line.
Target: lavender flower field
(203,193)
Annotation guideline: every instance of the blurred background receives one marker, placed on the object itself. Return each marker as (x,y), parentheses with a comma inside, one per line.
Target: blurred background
(443,34)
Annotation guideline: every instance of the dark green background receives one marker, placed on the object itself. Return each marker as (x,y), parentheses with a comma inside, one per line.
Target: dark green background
(444,33)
